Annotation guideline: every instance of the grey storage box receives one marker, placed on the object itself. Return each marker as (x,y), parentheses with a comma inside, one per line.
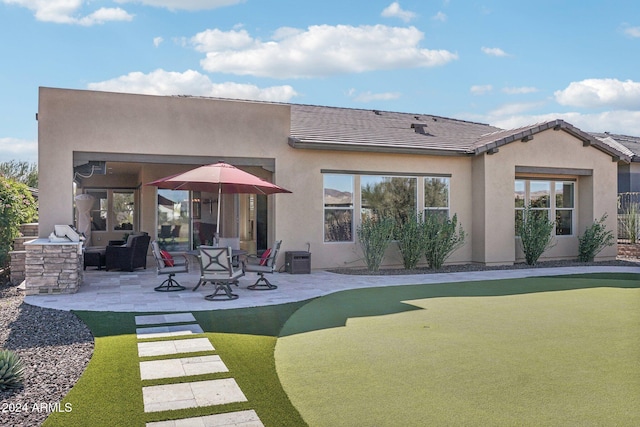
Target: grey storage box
(297,262)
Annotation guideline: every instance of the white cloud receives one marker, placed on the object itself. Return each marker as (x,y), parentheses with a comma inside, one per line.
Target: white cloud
(103,15)
(65,12)
(515,108)
(620,121)
(493,51)
(185,4)
(21,150)
(481,89)
(595,93)
(217,40)
(519,90)
(440,16)
(157,41)
(632,32)
(319,51)
(395,11)
(161,82)
(369,96)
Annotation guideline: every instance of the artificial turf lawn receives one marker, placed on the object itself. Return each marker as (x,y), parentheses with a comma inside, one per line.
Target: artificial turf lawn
(540,352)
(109,393)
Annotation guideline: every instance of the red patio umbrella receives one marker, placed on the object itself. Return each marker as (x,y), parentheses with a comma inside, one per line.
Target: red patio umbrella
(221,177)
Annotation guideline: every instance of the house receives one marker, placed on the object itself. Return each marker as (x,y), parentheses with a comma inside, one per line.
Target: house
(628,172)
(339,163)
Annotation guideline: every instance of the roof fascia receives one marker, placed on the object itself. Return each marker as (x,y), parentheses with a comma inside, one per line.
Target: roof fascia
(587,140)
(327,146)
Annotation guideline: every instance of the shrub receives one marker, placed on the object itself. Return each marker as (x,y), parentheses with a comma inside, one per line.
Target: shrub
(11,370)
(441,236)
(374,235)
(630,222)
(16,207)
(410,239)
(595,238)
(535,234)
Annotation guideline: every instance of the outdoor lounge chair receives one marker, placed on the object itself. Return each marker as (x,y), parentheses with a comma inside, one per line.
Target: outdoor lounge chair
(169,264)
(266,263)
(129,256)
(216,267)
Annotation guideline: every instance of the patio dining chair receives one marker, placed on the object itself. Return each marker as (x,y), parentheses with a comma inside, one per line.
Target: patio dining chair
(169,264)
(217,268)
(266,263)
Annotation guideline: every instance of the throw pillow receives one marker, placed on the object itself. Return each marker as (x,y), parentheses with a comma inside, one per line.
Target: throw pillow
(167,258)
(265,257)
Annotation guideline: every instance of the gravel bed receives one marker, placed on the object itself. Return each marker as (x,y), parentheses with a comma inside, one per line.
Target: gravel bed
(479,267)
(54,346)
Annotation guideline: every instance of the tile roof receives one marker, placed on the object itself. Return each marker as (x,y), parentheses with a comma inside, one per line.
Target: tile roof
(317,127)
(372,130)
(630,144)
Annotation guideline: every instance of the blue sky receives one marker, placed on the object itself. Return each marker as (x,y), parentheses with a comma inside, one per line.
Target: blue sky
(506,63)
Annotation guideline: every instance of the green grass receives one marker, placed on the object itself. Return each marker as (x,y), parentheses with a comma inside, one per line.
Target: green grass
(541,351)
(109,393)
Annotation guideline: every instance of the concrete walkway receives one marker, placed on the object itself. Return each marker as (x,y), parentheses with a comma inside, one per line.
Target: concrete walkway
(133,292)
(191,394)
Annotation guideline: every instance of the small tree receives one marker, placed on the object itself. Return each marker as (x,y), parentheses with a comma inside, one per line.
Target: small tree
(630,222)
(442,236)
(535,234)
(374,235)
(410,238)
(595,238)
(16,207)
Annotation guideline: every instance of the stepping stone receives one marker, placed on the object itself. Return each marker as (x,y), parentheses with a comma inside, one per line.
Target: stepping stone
(231,419)
(156,319)
(168,331)
(190,395)
(171,368)
(161,348)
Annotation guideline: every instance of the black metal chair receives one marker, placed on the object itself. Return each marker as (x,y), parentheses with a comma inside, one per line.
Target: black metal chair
(265,264)
(169,264)
(216,267)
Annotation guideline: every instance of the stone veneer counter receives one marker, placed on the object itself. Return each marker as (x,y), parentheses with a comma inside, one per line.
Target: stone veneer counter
(52,268)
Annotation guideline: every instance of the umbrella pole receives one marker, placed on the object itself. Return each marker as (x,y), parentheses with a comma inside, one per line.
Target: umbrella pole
(218,219)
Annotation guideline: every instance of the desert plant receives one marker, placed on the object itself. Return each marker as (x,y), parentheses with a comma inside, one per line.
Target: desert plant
(410,239)
(630,222)
(11,370)
(535,234)
(442,236)
(374,235)
(595,238)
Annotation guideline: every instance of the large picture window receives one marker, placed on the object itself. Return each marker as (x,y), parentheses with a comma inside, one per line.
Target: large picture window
(550,199)
(338,208)
(391,196)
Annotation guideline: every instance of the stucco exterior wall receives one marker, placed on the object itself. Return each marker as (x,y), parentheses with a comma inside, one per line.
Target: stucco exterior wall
(300,220)
(163,129)
(494,177)
(136,125)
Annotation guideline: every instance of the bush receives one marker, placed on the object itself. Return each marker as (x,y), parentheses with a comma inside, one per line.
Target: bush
(374,235)
(630,222)
(410,239)
(11,370)
(16,207)
(535,234)
(595,238)
(441,237)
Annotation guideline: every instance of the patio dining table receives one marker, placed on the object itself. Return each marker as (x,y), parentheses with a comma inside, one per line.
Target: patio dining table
(235,258)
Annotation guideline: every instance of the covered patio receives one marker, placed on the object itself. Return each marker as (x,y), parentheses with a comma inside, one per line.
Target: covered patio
(133,291)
